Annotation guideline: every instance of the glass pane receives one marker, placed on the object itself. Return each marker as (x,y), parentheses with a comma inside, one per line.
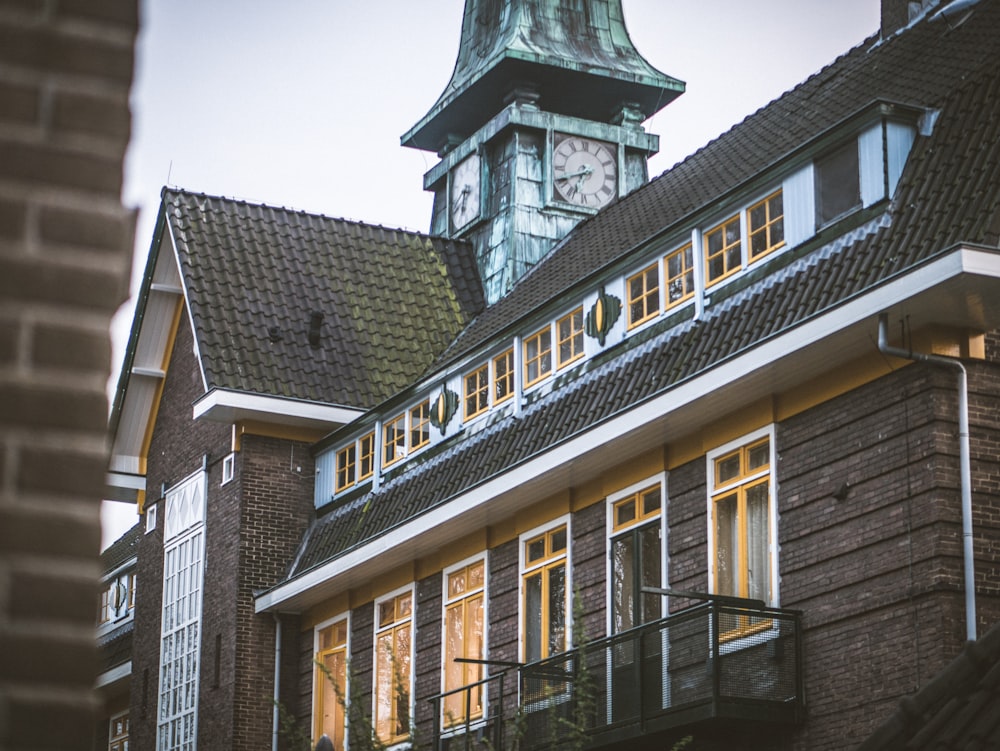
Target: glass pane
(726,577)
(456,583)
(476,575)
(383,687)
(454,672)
(401,689)
(758,560)
(759,455)
(838,188)
(727,468)
(557,609)
(535,549)
(649,575)
(474,650)
(559,540)
(533,617)
(650,501)
(758,216)
(403,605)
(624,512)
(622,578)
(733,233)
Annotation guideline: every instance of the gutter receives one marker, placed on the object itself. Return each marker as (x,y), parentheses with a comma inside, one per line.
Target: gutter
(964,462)
(275,725)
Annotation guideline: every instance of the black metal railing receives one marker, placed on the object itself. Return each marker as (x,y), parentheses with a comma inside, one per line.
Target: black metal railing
(714,661)
(470,718)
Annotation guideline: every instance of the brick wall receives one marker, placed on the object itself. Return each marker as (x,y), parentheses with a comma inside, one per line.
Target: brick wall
(65,254)
(428,654)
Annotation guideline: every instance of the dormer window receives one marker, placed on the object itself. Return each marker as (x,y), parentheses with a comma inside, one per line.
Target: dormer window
(766,226)
(723,250)
(394,440)
(838,186)
(420,425)
(644,295)
(477,392)
(355,462)
(569,331)
(503,376)
(537,356)
(679,268)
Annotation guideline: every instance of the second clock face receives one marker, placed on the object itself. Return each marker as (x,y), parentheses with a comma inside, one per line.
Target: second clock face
(584,172)
(465,192)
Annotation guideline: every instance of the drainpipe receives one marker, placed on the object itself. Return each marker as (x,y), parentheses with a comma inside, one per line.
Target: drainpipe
(277,680)
(963,458)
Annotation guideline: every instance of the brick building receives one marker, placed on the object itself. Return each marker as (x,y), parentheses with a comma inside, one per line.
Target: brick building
(685,457)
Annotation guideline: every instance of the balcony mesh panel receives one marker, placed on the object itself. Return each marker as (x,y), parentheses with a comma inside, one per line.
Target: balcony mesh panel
(758,657)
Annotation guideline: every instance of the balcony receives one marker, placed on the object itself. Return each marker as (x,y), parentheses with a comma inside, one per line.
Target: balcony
(709,667)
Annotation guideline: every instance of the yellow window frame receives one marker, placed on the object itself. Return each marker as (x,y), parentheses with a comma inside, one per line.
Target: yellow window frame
(569,335)
(503,376)
(346,466)
(774,216)
(641,510)
(723,251)
(331,643)
(552,557)
(420,425)
(476,390)
(643,293)
(538,356)
(463,601)
(683,277)
(394,618)
(366,456)
(753,469)
(393,440)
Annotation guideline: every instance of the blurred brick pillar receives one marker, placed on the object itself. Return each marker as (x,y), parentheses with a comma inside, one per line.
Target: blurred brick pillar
(65,253)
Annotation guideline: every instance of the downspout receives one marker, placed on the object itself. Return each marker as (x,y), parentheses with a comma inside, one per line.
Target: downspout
(277,681)
(963,458)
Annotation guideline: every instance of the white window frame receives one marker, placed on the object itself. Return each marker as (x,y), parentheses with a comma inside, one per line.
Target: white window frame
(346,617)
(657,479)
(412,677)
(521,571)
(151,517)
(228,469)
(768,432)
(484,557)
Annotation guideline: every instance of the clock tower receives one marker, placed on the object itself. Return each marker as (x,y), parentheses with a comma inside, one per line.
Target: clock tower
(539,128)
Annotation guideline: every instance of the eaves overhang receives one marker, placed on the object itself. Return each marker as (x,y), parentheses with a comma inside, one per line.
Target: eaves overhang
(959,288)
(230,406)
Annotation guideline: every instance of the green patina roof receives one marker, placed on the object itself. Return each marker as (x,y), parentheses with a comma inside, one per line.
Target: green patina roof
(576,54)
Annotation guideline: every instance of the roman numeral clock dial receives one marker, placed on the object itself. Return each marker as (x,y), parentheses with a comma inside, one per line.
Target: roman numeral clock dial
(584,171)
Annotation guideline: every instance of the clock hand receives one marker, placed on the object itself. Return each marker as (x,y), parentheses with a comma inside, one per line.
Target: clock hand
(585,171)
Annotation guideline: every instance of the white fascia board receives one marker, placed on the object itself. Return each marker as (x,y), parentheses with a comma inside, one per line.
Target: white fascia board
(123,487)
(962,260)
(223,405)
(114,675)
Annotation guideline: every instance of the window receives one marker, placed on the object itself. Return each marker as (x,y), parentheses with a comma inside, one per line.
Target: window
(420,425)
(679,267)
(228,468)
(838,185)
(393,655)
(766,226)
(463,638)
(131,592)
(635,558)
(366,456)
(477,392)
(118,733)
(150,519)
(503,376)
(107,607)
(569,333)
(394,440)
(346,467)
(330,682)
(643,296)
(544,587)
(742,563)
(537,356)
(723,251)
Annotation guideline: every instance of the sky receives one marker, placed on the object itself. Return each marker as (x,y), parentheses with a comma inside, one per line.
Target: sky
(301,103)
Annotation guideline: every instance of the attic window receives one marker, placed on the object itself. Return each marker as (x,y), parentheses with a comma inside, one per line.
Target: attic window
(838,186)
(228,468)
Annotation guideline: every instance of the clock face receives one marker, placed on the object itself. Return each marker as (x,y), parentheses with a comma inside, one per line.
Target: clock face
(584,172)
(465,192)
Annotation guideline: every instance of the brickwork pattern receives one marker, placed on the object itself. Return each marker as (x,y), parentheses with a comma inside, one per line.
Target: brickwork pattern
(65,255)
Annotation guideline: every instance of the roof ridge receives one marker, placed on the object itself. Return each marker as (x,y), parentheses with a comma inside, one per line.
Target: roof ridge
(297,211)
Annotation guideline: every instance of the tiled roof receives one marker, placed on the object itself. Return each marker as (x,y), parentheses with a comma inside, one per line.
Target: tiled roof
(920,67)
(121,550)
(955,711)
(115,648)
(391,300)
(949,193)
